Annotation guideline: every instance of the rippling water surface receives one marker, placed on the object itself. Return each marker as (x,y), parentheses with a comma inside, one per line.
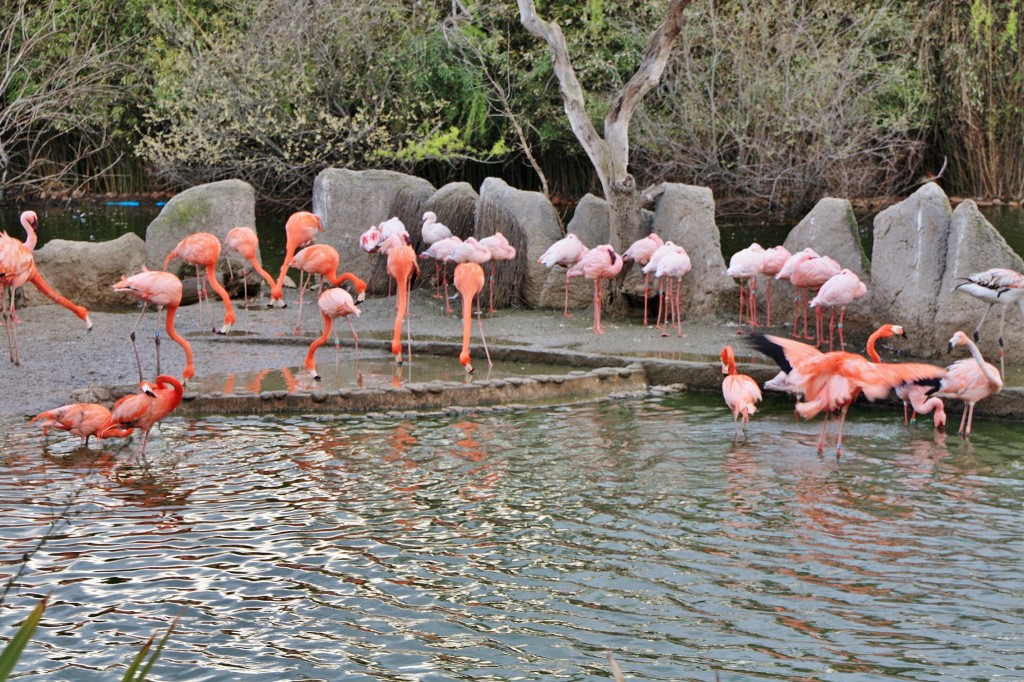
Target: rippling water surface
(522,546)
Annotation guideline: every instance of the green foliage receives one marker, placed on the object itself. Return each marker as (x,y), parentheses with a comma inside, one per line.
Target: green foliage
(12,652)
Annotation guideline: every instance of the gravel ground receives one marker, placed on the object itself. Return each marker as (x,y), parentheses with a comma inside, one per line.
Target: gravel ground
(59,357)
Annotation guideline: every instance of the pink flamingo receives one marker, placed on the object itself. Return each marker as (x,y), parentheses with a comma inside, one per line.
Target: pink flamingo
(334,303)
(787,272)
(323,260)
(641,251)
(433,232)
(915,395)
(652,267)
(997,285)
(469,280)
(84,420)
(144,409)
(808,275)
(566,252)
(831,381)
(16,266)
(402,266)
(163,290)
(598,264)
(202,249)
(471,251)
(741,393)
(301,228)
(840,290)
(500,249)
(774,259)
(745,265)
(247,244)
(441,251)
(970,380)
(30,221)
(673,264)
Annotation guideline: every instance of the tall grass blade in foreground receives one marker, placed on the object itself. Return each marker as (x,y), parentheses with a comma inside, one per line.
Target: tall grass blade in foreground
(12,652)
(133,674)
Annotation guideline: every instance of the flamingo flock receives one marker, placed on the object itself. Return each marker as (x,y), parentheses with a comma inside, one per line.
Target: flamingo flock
(823,381)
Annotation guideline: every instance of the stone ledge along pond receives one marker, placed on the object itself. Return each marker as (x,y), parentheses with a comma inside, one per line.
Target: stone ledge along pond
(519,542)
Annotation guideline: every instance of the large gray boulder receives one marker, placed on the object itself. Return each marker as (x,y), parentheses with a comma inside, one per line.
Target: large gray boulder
(214,207)
(350,202)
(685,214)
(85,272)
(530,223)
(908,265)
(831,229)
(975,245)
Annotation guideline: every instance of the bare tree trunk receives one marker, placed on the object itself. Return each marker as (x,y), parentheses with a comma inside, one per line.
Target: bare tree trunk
(610,154)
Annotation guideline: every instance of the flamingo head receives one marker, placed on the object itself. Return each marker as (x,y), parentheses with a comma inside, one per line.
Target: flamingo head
(728,360)
(958,339)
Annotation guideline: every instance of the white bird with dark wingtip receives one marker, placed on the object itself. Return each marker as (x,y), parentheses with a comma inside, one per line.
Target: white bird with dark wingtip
(995,286)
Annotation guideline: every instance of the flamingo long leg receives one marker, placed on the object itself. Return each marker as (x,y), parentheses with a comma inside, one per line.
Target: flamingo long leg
(768,302)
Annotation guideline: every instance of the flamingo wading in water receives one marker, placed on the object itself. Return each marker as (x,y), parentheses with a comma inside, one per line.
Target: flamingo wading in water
(970,380)
(144,409)
(469,280)
(402,266)
(741,393)
(84,420)
(334,303)
(831,381)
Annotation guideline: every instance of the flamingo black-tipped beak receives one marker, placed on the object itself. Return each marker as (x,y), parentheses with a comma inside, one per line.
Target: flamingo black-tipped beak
(317,377)
(949,347)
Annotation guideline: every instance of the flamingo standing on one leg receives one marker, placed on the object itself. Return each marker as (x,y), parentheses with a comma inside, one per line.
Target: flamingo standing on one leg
(84,420)
(566,252)
(469,280)
(163,290)
(144,409)
(673,265)
(334,303)
(500,249)
(245,242)
(741,393)
(997,285)
(301,228)
(774,259)
(641,251)
(786,273)
(431,233)
(441,252)
(16,267)
(839,290)
(970,380)
(323,260)
(598,264)
(809,275)
(202,249)
(402,266)
(745,265)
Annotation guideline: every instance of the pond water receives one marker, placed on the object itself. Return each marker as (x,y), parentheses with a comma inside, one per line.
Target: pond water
(522,545)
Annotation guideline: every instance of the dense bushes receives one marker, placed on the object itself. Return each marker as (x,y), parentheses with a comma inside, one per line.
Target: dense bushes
(773,105)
